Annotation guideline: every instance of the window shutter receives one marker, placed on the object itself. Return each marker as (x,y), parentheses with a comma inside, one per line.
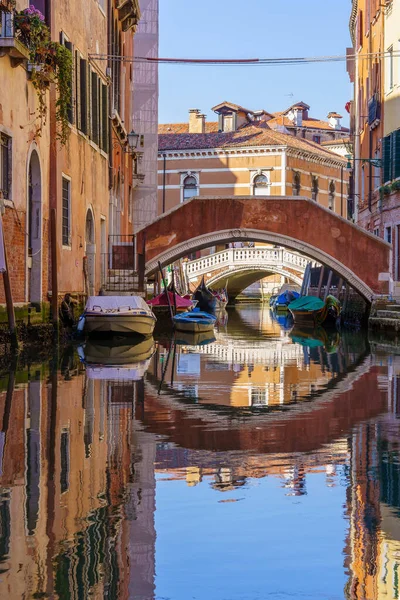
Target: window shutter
(84,96)
(95,108)
(89,102)
(395,154)
(78,90)
(71,109)
(104,107)
(386,164)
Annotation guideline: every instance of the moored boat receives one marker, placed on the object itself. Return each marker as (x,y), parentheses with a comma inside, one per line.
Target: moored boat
(283,300)
(187,338)
(115,315)
(160,306)
(311,311)
(196,321)
(206,301)
(221,297)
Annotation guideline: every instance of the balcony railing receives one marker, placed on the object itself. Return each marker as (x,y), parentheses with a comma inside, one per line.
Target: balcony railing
(8,41)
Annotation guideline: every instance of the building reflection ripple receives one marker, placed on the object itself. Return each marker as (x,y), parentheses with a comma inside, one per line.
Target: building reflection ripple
(101,471)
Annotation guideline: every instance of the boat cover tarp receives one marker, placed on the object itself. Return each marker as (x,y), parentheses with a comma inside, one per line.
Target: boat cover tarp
(110,303)
(307,303)
(162,300)
(287,297)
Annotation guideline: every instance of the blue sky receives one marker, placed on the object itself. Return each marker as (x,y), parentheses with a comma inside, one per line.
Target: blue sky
(253,29)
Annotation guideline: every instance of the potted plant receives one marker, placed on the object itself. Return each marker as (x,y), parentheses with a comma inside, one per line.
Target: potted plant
(48,61)
(395,185)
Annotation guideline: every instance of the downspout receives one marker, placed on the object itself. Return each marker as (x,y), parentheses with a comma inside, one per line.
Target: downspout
(164,176)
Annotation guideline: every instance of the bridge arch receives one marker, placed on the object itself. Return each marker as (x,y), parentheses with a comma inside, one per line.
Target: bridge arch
(361,259)
(241,277)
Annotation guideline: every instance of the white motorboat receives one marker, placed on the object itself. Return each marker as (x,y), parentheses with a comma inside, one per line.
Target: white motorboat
(116,315)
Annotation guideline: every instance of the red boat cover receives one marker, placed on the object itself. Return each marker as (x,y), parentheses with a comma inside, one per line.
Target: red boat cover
(161,300)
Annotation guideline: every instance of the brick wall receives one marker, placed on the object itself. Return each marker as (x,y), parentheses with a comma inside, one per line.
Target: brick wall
(14,238)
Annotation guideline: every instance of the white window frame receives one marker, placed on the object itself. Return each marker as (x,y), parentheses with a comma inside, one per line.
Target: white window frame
(184,175)
(69,245)
(254,176)
(387,229)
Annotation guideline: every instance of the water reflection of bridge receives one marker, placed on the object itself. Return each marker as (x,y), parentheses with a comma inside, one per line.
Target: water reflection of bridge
(78,470)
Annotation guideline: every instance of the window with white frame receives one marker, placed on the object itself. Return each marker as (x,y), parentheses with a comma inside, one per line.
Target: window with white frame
(5,167)
(261,185)
(388,235)
(190,187)
(376,231)
(66,212)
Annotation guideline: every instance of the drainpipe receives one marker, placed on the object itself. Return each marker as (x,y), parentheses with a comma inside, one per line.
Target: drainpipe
(110,97)
(163,191)
(341,191)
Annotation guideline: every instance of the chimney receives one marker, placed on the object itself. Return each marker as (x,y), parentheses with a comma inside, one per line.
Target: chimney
(197,121)
(298,116)
(334,120)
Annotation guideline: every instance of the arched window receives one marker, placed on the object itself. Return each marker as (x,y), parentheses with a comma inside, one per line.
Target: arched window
(261,185)
(190,187)
(296,184)
(331,197)
(314,189)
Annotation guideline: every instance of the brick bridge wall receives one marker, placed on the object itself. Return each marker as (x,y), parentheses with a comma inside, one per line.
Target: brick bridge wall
(299,223)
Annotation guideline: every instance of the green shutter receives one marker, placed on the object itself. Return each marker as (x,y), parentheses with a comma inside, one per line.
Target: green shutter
(84,95)
(71,107)
(386,163)
(396,154)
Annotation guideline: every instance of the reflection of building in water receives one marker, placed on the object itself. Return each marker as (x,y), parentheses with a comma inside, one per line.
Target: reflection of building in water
(73,477)
(252,374)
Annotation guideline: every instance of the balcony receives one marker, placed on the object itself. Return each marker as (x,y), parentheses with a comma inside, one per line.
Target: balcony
(128,13)
(9,44)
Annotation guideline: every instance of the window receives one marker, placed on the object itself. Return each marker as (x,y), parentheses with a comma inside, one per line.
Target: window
(95,105)
(261,185)
(388,235)
(66,212)
(331,197)
(316,139)
(104,118)
(376,231)
(83,95)
(389,69)
(362,184)
(5,166)
(190,187)
(391,156)
(70,47)
(296,184)
(314,188)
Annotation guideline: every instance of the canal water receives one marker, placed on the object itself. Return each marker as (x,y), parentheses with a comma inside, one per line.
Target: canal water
(258,462)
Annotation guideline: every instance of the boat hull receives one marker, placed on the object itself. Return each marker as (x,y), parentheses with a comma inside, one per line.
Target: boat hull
(193,327)
(114,324)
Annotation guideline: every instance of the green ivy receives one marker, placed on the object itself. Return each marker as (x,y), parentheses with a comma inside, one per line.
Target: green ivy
(51,62)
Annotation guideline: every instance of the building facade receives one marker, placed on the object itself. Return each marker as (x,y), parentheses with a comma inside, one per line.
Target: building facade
(70,152)
(248,153)
(375,122)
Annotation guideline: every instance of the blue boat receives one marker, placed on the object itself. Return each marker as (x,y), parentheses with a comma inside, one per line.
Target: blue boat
(283,300)
(195,321)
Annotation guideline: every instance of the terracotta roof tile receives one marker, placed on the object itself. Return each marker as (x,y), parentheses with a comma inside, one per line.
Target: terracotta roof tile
(250,135)
(310,123)
(170,128)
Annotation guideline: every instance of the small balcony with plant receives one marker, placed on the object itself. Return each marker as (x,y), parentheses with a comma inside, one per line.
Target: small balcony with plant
(26,37)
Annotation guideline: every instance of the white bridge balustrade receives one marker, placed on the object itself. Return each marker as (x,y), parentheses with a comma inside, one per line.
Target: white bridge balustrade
(259,257)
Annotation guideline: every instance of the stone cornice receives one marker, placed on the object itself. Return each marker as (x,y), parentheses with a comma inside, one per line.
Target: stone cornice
(314,158)
(353,21)
(202,152)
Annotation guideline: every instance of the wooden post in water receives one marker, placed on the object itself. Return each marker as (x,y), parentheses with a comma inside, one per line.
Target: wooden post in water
(339,287)
(321,280)
(9,301)
(328,285)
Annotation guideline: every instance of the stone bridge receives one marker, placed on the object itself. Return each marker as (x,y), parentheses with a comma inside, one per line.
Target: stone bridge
(240,267)
(300,224)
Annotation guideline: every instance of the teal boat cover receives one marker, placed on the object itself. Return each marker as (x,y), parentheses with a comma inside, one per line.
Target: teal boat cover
(307,303)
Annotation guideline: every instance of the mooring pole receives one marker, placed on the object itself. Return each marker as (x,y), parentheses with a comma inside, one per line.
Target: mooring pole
(321,280)
(9,300)
(328,285)
(166,291)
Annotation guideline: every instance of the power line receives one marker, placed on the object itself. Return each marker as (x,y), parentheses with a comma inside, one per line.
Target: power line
(245,61)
